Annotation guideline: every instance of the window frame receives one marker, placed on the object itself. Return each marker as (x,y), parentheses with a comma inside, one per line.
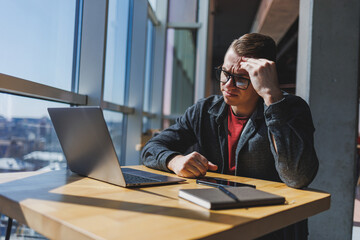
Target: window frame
(89,63)
(88,51)
(198,94)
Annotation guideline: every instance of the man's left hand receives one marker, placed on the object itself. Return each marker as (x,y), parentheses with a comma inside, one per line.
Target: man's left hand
(263,77)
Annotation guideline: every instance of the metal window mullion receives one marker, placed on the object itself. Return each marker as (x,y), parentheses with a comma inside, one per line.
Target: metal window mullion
(157,94)
(152,16)
(77,46)
(179,25)
(149,114)
(117,108)
(127,79)
(136,80)
(21,87)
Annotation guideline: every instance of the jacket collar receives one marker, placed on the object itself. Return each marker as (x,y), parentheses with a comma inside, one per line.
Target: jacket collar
(220,109)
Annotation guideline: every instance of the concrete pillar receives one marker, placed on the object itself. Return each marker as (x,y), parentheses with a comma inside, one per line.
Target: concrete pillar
(327,78)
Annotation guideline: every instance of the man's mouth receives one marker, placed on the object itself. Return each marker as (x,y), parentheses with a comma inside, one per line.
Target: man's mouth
(229,94)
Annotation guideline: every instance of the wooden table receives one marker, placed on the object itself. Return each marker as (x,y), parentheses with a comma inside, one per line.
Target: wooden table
(62,205)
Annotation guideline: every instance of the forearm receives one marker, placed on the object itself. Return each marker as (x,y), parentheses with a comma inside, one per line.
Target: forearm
(169,143)
(295,159)
(272,95)
(156,156)
(290,133)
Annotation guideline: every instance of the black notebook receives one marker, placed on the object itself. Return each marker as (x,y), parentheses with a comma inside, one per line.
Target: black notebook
(214,198)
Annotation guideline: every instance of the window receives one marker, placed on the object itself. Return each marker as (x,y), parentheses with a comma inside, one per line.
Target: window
(183,11)
(43,65)
(179,71)
(114,122)
(40,44)
(27,139)
(148,73)
(153,4)
(116,51)
(148,66)
(37,39)
(180,65)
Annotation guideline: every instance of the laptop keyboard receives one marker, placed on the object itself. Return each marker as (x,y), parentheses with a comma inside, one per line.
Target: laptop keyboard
(129,178)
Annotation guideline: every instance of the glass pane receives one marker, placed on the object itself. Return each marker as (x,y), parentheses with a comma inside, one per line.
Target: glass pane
(146,124)
(116,48)
(183,11)
(27,139)
(37,39)
(149,66)
(153,4)
(114,122)
(179,71)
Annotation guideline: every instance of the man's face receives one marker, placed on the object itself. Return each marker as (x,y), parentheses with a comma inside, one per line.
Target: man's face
(234,96)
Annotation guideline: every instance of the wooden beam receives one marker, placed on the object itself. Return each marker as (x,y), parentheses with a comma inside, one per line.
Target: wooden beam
(274,17)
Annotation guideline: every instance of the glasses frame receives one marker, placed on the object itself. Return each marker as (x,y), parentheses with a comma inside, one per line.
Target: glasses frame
(229,75)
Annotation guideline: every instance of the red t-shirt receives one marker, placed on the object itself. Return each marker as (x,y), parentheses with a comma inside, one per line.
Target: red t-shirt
(235,126)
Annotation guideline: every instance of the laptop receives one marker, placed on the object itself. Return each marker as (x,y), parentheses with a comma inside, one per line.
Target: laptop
(89,150)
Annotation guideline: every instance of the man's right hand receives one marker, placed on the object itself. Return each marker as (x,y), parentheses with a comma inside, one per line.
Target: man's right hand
(192,165)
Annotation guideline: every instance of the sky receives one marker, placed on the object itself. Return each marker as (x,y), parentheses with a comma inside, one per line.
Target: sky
(36,44)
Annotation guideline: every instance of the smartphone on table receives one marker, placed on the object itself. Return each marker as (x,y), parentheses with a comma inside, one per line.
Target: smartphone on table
(216,182)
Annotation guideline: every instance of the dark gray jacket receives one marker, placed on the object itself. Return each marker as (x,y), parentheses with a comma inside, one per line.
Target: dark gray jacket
(203,128)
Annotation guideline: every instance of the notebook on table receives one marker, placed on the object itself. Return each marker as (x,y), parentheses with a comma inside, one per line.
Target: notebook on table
(89,150)
(214,198)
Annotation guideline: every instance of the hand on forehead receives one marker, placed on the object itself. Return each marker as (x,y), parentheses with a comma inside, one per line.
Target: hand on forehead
(232,62)
(255,64)
(236,67)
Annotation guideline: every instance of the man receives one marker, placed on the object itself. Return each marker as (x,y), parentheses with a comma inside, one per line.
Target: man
(253,130)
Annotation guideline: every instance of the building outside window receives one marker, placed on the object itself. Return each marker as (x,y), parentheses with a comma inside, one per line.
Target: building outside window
(27,139)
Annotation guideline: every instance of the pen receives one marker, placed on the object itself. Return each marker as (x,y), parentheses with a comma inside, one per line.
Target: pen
(227,192)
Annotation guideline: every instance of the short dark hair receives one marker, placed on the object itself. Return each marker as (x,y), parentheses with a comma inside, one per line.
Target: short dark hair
(255,45)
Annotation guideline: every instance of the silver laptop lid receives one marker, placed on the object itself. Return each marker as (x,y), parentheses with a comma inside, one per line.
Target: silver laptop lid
(86,143)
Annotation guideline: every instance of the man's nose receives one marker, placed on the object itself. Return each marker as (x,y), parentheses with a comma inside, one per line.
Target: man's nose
(230,82)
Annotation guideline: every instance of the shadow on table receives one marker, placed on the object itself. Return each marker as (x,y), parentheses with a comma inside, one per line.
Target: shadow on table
(39,187)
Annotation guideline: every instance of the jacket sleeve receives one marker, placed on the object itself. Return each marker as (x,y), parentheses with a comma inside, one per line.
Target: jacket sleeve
(172,141)
(289,122)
